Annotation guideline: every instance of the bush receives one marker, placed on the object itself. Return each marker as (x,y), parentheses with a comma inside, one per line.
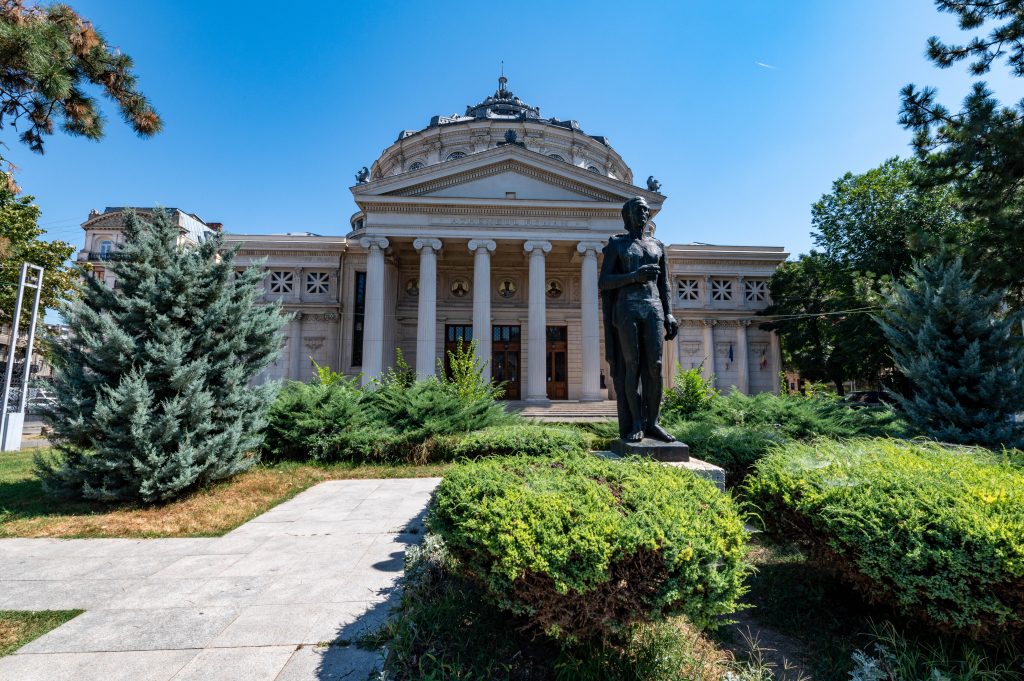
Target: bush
(586,547)
(934,532)
(446,629)
(528,439)
(690,393)
(734,448)
(338,421)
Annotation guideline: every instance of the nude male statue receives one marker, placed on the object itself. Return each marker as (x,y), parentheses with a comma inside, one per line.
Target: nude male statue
(634,292)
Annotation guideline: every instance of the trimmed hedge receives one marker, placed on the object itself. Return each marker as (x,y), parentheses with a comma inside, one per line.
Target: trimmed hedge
(585,547)
(527,439)
(934,532)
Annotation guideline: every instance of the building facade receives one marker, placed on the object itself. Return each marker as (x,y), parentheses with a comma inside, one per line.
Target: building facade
(489,227)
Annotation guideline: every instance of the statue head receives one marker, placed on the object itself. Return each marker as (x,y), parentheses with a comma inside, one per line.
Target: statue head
(635,214)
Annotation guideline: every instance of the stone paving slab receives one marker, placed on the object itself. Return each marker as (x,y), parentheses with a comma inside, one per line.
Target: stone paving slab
(280,598)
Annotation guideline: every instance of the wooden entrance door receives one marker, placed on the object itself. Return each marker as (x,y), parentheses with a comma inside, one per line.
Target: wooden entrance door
(505,366)
(453,335)
(558,364)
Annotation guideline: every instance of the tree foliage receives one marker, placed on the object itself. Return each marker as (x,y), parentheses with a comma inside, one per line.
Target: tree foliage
(153,394)
(979,150)
(868,228)
(951,340)
(20,242)
(49,55)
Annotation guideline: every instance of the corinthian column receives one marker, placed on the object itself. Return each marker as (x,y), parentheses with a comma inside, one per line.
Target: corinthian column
(426,321)
(591,350)
(373,323)
(709,348)
(481,250)
(536,341)
(742,358)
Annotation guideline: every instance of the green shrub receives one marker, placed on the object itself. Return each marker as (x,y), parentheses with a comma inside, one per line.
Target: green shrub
(690,393)
(799,417)
(734,448)
(447,629)
(934,532)
(528,439)
(586,547)
(339,421)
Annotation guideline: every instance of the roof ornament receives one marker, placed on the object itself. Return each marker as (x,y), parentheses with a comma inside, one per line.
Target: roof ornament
(511,138)
(653,185)
(363,175)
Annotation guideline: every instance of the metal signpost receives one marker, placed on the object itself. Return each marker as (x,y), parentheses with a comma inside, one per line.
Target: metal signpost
(14,420)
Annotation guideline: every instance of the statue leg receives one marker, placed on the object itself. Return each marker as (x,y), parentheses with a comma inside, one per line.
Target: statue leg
(629,345)
(653,384)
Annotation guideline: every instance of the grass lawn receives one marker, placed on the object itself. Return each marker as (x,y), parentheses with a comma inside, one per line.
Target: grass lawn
(18,628)
(27,511)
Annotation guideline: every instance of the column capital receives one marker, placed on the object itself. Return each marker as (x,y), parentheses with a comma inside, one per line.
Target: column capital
(708,323)
(588,247)
(427,242)
(477,244)
(537,247)
(371,242)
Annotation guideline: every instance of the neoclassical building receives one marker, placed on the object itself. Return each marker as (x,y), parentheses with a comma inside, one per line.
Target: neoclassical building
(489,226)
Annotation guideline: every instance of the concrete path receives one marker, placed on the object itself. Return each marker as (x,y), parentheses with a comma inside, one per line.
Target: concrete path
(282,598)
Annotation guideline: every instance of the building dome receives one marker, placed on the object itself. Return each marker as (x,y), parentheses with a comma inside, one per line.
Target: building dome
(500,118)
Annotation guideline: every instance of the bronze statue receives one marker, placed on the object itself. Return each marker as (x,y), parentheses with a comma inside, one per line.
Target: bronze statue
(635,300)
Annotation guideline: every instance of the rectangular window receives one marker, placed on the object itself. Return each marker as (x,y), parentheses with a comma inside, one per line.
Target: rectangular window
(358,317)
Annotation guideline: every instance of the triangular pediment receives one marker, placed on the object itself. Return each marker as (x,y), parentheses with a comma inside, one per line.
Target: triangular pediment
(500,174)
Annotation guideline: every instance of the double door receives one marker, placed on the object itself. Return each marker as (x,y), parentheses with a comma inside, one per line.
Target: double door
(505,356)
(557,363)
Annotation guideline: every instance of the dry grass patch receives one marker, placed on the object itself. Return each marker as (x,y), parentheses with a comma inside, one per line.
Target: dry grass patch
(18,628)
(27,511)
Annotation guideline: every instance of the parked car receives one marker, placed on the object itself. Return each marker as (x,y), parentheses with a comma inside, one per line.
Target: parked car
(868,398)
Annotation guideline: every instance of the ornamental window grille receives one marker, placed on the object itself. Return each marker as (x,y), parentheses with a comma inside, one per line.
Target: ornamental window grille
(316,283)
(455,155)
(721,290)
(556,157)
(593,169)
(282,282)
(756,291)
(415,166)
(688,289)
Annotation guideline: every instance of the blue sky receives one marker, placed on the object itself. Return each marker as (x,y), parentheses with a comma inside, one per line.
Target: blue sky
(746,111)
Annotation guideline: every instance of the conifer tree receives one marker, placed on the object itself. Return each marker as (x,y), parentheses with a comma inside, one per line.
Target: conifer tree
(952,340)
(152,390)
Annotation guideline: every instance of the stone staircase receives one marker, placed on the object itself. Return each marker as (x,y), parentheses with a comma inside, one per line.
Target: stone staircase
(565,411)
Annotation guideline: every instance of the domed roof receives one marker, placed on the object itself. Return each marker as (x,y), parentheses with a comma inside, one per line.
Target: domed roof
(503,104)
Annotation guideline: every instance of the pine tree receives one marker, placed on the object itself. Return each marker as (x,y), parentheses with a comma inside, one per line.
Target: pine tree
(153,394)
(950,339)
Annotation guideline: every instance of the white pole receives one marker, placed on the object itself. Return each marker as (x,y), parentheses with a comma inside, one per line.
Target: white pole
(31,338)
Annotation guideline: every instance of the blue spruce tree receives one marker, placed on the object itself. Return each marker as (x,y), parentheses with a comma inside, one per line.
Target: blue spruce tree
(153,394)
(958,348)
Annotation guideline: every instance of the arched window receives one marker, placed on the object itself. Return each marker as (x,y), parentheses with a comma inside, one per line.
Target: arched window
(106,247)
(456,155)
(556,157)
(593,169)
(415,166)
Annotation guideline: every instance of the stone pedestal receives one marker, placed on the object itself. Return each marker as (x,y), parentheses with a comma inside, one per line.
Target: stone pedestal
(654,449)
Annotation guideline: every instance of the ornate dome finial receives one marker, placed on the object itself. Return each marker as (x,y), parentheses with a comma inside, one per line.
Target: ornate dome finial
(501,83)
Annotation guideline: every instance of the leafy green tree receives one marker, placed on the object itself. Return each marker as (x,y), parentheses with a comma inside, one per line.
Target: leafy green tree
(153,390)
(868,229)
(20,242)
(979,150)
(950,338)
(877,221)
(49,55)
(820,311)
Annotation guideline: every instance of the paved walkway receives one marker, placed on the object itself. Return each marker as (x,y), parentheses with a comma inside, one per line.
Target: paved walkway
(279,599)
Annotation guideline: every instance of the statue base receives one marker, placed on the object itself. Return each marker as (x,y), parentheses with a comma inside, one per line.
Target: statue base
(654,449)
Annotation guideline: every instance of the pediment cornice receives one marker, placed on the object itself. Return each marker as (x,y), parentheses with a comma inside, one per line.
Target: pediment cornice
(510,158)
